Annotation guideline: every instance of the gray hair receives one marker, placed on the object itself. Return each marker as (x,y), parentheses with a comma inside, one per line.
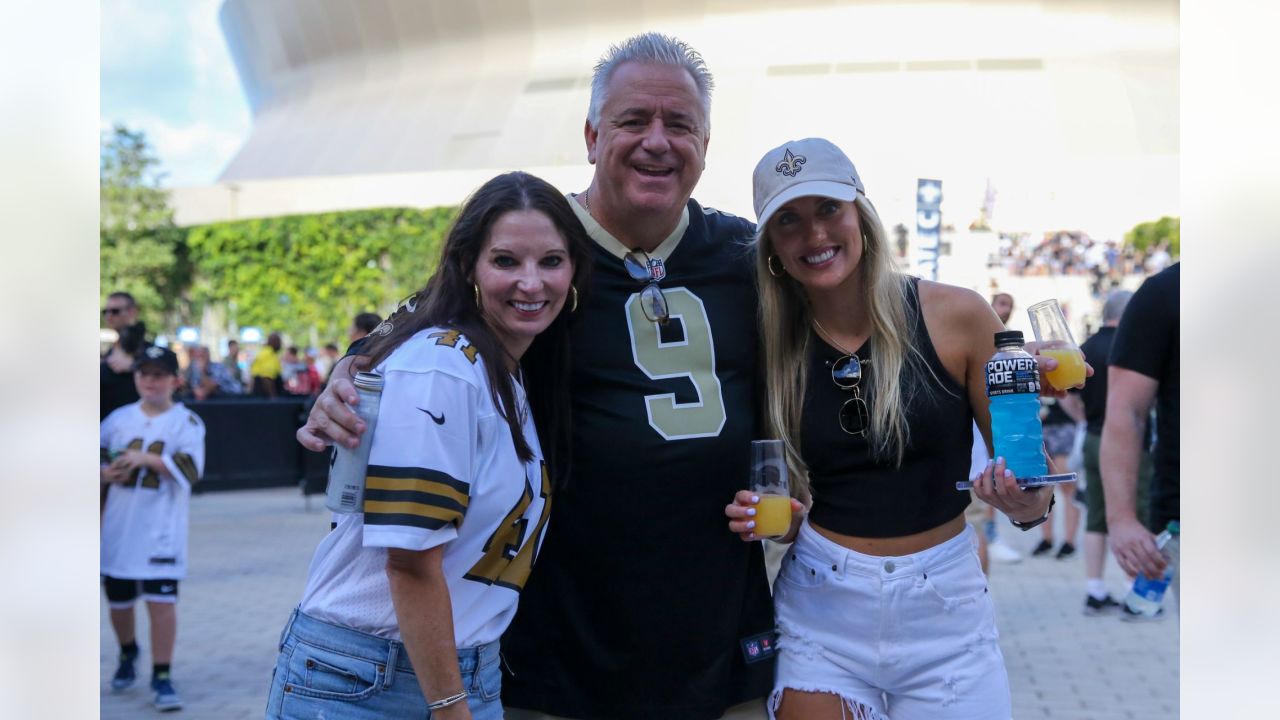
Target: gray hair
(1113,308)
(654,49)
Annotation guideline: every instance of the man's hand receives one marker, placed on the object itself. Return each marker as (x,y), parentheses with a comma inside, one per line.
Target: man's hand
(119,360)
(1135,548)
(331,420)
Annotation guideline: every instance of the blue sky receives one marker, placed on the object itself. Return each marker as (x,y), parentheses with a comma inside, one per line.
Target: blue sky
(166,71)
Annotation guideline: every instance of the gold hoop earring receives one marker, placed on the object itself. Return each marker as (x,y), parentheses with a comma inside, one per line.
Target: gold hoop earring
(769,263)
(477,289)
(573,289)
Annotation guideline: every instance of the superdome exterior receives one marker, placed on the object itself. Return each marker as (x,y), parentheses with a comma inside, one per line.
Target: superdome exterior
(1071,109)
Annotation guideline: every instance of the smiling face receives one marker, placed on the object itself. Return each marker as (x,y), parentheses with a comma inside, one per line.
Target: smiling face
(819,242)
(651,144)
(523,273)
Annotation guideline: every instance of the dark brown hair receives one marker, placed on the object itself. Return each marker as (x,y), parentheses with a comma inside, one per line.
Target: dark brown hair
(448,300)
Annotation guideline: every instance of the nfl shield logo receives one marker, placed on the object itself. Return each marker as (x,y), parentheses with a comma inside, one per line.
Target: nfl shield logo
(753,648)
(657,269)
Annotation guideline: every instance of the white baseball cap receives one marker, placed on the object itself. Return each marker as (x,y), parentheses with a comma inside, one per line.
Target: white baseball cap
(802,168)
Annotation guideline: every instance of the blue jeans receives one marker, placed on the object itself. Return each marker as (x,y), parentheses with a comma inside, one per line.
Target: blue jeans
(339,673)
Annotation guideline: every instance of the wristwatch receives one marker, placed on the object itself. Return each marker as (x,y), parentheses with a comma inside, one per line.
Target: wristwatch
(1024,526)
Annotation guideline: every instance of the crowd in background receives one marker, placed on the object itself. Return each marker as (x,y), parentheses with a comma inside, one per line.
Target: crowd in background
(268,369)
(1075,253)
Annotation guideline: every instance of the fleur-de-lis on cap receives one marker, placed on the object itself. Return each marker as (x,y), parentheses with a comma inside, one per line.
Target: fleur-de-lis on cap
(790,164)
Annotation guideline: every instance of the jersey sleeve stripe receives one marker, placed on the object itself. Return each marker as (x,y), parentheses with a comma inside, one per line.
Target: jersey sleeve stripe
(390,472)
(445,511)
(404,520)
(436,485)
(444,500)
(187,466)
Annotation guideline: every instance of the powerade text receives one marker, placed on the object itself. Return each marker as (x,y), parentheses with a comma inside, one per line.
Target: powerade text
(1006,376)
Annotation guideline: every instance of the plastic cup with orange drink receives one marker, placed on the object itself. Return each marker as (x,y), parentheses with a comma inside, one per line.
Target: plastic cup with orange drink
(770,483)
(1054,338)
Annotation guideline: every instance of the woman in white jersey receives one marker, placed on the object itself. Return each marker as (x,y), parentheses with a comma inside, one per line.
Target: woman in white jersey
(405,601)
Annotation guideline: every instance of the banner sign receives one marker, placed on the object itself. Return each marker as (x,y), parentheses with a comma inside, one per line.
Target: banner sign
(929,222)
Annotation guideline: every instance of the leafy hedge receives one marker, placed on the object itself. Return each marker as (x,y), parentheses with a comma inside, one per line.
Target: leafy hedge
(298,272)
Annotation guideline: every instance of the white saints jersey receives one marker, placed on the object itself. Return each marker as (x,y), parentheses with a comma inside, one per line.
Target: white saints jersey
(144,525)
(443,470)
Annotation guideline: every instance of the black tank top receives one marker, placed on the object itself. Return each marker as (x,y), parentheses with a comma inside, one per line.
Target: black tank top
(856,493)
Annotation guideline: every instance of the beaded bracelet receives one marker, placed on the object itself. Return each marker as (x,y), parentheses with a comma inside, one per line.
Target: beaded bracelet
(446,702)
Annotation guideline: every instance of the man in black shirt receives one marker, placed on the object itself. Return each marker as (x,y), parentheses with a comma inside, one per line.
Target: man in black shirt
(1091,402)
(1144,367)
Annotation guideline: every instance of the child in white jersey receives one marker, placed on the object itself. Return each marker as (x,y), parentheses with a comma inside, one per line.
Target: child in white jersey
(406,599)
(153,451)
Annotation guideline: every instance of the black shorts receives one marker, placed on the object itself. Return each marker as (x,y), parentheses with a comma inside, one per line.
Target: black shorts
(122,593)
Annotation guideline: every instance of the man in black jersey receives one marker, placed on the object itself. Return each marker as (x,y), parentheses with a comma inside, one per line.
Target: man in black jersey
(640,604)
(1143,368)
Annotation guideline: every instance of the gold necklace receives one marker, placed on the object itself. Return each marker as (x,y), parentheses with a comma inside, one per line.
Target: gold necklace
(831,339)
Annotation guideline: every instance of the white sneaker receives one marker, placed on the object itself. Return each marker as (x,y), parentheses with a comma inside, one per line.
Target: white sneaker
(1003,553)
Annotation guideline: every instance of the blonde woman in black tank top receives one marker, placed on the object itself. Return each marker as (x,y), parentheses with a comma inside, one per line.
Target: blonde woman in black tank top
(873,381)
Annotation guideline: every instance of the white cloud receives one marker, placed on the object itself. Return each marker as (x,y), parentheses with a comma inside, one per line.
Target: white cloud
(191,106)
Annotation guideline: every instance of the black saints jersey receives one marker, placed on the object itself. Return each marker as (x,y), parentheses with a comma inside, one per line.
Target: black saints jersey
(643,604)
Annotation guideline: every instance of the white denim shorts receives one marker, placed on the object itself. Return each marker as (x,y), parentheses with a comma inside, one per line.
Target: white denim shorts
(907,638)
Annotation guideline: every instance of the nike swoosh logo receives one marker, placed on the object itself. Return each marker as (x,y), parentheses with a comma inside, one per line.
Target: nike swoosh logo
(166,588)
(436,420)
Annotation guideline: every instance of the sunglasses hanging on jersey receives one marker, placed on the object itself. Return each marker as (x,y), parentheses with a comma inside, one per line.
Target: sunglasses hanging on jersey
(652,301)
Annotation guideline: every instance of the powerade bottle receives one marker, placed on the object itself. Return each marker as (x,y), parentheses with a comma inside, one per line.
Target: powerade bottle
(1013,386)
(1147,594)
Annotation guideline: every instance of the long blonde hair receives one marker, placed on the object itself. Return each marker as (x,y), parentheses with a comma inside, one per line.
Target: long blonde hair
(785,317)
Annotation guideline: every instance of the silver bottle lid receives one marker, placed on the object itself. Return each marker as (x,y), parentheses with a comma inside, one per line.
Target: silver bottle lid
(369,381)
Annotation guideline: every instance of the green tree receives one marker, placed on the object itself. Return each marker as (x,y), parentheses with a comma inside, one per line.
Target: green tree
(141,250)
(1149,234)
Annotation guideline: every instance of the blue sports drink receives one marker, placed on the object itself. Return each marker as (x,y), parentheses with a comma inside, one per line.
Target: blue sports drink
(1013,386)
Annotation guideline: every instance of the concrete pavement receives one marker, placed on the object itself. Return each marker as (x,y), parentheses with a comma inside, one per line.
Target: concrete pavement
(250,551)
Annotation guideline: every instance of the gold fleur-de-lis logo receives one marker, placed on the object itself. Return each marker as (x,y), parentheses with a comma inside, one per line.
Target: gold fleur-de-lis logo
(790,164)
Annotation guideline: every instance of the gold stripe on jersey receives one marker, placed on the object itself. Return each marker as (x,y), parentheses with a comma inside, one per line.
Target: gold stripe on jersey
(416,497)
(387,488)
(187,466)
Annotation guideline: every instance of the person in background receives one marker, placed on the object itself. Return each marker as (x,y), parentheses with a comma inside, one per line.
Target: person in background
(1144,368)
(116,386)
(204,378)
(1059,426)
(266,369)
(1090,402)
(152,454)
(362,325)
(325,360)
(1003,304)
(406,599)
